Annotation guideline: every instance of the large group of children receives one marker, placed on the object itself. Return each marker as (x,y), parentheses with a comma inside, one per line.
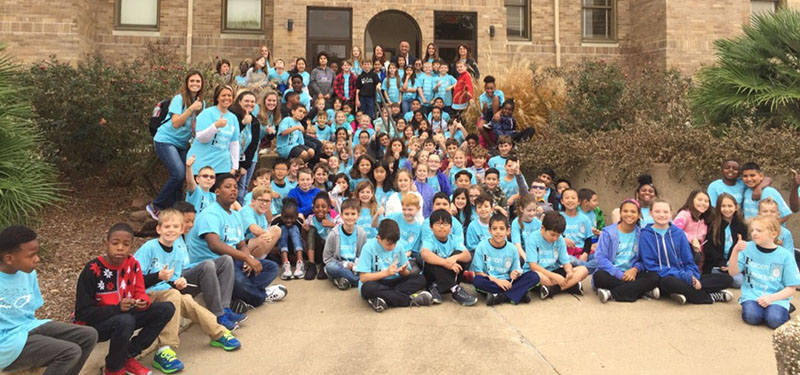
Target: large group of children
(404,206)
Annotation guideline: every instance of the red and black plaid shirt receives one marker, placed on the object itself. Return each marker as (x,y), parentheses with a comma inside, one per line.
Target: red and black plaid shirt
(338,87)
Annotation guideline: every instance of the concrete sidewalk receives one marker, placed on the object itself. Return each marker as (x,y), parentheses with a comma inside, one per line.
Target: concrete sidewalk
(318,329)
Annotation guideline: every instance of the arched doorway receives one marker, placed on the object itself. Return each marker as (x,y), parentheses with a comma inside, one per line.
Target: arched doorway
(388,29)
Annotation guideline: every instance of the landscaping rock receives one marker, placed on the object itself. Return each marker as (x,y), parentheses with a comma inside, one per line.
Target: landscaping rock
(139,216)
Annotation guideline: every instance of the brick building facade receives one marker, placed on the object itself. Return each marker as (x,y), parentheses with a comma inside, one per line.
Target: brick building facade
(552,32)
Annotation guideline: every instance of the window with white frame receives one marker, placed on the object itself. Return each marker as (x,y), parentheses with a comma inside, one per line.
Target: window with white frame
(136,14)
(242,15)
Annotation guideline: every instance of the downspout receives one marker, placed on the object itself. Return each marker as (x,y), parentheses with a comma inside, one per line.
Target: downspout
(557,41)
(189,22)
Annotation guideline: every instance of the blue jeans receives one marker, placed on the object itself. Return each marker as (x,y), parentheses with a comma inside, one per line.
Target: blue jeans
(175,160)
(244,182)
(367,105)
(590,263)
(519,287)
(405,105)
(289,236)
(773,315)
(251,288)
(336,269)
(737,280)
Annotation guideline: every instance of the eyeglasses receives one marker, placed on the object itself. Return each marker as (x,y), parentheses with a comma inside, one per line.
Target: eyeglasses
(211,176)
(535,187)
(264,201)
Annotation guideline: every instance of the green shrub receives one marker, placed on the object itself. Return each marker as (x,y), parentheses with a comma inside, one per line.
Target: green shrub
(27,181)
(94,114)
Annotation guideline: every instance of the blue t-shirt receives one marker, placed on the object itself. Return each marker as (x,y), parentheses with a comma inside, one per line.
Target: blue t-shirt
(519,234)
(626,251)
(646,218)
(509,187)
(454,170)
(347,244)
(410,95)
(442,92)
(326,133)
(250,217)
(767,273)
(410,234)
(716,188)
(787,242)
(579,228)
(152,258)
(168,134)
(497,262)
(322,230)
(442,249)
(20,297)
(547,255)
(245,137)
(214,219)
(427,82)
(392,87)
(433,182)
(304,98)
(374,258)
(215,153)
(286,143)
(365,222)
(750,207)
(358,132)
(456,231)
(486,101)
(498,162)
(200,199)
(476,232)
(281,78)
(382,196)
(306,78)
(277,204)
(728,242)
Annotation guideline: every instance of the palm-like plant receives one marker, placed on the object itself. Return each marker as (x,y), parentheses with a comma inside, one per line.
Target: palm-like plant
(757,74)
(26,180)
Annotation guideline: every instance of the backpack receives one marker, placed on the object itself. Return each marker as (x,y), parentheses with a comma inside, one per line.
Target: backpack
(159,117)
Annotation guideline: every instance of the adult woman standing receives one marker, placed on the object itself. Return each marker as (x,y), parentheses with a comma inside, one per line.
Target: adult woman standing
(431,54)
(216,143)
(249,138)
(267,55)
(378,53)
(172,140)
(321,83)
(465,56)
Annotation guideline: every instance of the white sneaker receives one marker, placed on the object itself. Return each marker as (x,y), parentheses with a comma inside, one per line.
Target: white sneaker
(299,270)
(287,271)
(655,293)
(679,298)
(604,294)
(275,293)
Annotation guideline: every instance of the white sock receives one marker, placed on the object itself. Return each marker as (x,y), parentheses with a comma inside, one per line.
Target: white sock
(161,349)
(454,288)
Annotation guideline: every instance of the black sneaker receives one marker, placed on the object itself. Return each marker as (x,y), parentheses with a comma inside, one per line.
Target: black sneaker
(240,307)
(544,292)
(722,296)
(580,289)
(435,295)
(378,304)
(321,275)
(526,298)
(311,271)
(341,283)
(423,298)
(791,308)
(463,297)
(496,299)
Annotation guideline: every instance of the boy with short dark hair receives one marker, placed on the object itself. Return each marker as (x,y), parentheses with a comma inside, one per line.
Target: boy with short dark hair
(279,184)
(416,106)
(442,202)
(497,269)
(464,179)
(27,342)
(504,145)
(508,182)
(111,298)
(367,85)
(385,280)
(590,207)
(546,253)
(491,186)
(478,230)
(753,177)
(444,261)
(343,247)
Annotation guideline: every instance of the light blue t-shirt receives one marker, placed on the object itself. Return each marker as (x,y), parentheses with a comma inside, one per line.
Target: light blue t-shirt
(410,234)
(767,273)
(347,244)
(168,134)
(277,204)
(281,78)
(322,230)
(498,162)
(286,143)
(382,196)
(326,133)
(626,251)
(646,218)
(152,258)
(476,232)
(250,217)
(787,242)
(549,256)
(410,95)
(509,187)
(20,297)
(433,182)
(750,207)
(456,231)
(497,262)
(486,101)
(358,132)
(454,170)
(304,98)
(200,199)
(579,228)
(374,258)
(427,82)
(365,222)
(441,249)
(728,242)
(214,219)
(245,137)
(306,78)
(520,233)
(392,87)
(716,188)
(215,153)
(445,81)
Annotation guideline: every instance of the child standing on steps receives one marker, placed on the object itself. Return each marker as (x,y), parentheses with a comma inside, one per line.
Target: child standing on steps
(111,298)
(164,259)
(27,342)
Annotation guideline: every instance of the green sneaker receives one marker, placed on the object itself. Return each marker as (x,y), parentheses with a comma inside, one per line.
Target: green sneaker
(227,342)
(167,361)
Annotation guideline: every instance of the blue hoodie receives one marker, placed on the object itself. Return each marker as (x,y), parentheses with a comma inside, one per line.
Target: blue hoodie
(669,255)
(607,247)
